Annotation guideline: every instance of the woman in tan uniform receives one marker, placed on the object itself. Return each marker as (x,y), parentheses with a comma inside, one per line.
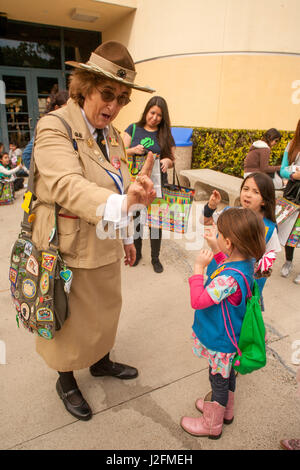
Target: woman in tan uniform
(88,179)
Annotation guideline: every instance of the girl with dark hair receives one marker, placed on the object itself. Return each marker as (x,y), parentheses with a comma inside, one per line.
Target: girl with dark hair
(240,239)
(258,157)
(152,133)
(290,169)
(257,193)
(9,174)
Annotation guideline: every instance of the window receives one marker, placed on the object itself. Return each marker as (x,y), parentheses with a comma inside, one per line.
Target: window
(38,46)
(30,45)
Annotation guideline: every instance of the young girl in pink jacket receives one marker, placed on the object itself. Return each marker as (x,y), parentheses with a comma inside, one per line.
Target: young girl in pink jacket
(241,240)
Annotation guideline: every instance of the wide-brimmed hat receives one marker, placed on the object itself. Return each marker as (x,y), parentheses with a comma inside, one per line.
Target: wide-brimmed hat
(112,60)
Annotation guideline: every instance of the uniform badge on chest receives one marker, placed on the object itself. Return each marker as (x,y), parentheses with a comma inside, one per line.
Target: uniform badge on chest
(114,142)
(115,161)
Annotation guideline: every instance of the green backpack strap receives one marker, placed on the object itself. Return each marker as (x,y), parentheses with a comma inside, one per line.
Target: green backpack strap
(251,350)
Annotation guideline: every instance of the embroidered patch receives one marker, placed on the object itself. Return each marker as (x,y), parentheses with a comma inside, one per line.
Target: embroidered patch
(13,274)
(114,142)
(29,288)
(115,161)
(45,333)
(44,283)
(32,266)
(17,304)
(25,311)
(48,261)
(217,271)
(44,314)
(28,248)
(16,259)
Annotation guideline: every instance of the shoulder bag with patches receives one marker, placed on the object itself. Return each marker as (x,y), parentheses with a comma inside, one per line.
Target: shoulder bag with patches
(39,279)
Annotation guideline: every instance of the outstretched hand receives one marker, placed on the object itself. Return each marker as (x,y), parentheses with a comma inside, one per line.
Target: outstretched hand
(203,259)
(210,235)
(296,175)
(214,199)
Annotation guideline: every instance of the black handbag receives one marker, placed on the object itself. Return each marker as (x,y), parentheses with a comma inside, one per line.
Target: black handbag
(292,192)
(39,279)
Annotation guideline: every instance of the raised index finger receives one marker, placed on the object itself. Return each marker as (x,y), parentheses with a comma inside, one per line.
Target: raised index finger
(148,165)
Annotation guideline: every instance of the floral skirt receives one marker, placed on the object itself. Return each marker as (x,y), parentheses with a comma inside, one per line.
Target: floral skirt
(219,362)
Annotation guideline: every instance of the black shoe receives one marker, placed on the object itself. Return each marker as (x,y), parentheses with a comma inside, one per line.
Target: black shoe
(114,369)
(157,266)
(137,260)
(74,402)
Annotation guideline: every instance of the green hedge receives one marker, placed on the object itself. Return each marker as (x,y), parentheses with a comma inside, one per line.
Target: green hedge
(225,149)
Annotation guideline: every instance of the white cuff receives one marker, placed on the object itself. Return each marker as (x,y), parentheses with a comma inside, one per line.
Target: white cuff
(113,211)
(128,241)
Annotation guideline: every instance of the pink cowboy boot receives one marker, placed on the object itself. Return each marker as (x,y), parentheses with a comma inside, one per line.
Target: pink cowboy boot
(290,444)
(210,424)
(229,410)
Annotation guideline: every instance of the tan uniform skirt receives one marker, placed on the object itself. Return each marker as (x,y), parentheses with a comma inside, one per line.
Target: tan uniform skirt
(89,332)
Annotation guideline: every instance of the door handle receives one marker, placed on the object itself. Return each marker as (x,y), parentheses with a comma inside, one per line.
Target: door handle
(29,123)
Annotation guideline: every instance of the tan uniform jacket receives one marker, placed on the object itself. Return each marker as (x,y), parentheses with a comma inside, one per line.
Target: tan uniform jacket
(79,183)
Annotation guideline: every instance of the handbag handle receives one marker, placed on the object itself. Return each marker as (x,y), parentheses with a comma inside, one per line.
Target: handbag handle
(175,173)
(133,132)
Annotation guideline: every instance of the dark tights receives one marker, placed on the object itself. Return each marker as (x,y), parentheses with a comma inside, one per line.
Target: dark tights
(155,239)
(221,387)
(67,381)
(289,252)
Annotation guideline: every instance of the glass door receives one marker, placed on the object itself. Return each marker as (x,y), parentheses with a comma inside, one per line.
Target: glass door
(26,95)
(44,83)
(17,109)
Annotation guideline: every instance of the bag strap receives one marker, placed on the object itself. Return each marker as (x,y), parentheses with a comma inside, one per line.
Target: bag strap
(233,341)
(249,295)
(133,156)
(25,224)
(175,173)
(133,132)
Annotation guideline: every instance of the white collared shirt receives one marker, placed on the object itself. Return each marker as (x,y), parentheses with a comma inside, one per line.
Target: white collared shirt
(113,209)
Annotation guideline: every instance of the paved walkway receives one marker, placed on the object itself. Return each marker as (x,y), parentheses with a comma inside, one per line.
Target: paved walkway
(154,335)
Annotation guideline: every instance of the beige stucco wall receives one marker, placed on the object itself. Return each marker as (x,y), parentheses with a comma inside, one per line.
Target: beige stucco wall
(164,27)
(231,91)
(223,63)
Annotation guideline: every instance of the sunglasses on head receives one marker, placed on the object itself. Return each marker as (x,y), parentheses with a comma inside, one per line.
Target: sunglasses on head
(108,96)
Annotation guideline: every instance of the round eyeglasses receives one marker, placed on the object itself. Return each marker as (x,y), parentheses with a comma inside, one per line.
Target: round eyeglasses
(108,96)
